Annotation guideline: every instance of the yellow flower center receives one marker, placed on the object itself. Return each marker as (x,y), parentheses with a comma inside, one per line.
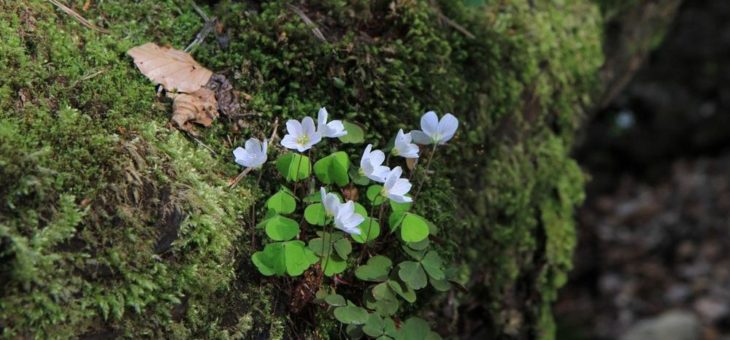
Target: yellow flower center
(303,140)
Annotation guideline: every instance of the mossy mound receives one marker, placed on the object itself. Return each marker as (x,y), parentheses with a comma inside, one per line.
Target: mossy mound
(114,224)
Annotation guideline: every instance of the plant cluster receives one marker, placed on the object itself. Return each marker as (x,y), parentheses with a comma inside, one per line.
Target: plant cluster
(312,222)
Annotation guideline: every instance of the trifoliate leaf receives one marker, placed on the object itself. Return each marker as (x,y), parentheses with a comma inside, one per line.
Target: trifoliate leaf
(335,300)
(400,207)
(355,134)
(270,261)
(334,265)
(414,228)
(369,230)
(343,247)
(333,169)
(282,202)
(284,257)
(395,220)
(403,290)
(434,265)
(280,228)
(294,167)
(382,291)
(419,246)
(440,285)
(374,195)
(354,331)
(297,257)
(360,209)
(351,315)
(412,274)
(414,328)
(319,247)
(315,214)
(377,269)
(375,326)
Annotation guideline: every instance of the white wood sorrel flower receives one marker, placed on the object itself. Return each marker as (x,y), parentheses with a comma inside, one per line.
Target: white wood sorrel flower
(434,131)
(347,219)
(300,136)
(330,202)
(403,146)
(332,129)
(396,188)
(371,164)
(252,155)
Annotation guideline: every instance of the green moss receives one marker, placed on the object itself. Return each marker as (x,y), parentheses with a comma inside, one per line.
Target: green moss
(87,155)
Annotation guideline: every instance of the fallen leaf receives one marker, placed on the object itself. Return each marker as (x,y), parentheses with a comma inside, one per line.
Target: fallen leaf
(175,70)
(198,107)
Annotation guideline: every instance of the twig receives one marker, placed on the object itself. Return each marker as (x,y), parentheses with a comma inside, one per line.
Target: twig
(89,76)
(315,30)
(203,33)
(454,24)
(77,16)
(239,177)
(201,143)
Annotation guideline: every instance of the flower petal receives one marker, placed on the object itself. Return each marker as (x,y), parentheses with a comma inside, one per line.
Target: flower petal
(238,154)
(289,142)
(430,123)
(377,157)
(392,177)
(447,127)
(308,126)
(419,137)
(322,117)
(294,127)
(402,186)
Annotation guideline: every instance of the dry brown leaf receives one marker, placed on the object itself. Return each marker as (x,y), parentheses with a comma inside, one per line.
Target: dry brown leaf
(175,70)
(199,107)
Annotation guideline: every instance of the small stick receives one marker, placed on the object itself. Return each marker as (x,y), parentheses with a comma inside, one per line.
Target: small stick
(77,16)
(315,30)
(207,28)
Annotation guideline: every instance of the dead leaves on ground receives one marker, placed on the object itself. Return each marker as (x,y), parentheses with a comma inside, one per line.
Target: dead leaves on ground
(184,80)
(175,70)
(198,107)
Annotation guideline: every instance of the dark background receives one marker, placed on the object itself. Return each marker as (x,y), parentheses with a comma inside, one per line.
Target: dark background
(654,249)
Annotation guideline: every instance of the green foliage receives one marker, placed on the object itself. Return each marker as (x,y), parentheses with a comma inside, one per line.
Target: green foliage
(280,228)
(315,214)
(355,133)
(413,228)
(377,269)
(294,167)
(282,202)
(333,169)
(291,258)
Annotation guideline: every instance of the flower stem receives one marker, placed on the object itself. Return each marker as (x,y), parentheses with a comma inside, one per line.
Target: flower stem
(367,235)
(425,171)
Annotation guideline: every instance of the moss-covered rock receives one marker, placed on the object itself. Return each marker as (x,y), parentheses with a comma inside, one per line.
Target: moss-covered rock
(113,223)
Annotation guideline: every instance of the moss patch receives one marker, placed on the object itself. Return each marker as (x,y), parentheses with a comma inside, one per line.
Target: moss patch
(144,238)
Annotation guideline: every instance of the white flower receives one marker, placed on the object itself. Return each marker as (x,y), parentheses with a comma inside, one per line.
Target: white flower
(332,129)
(395,187)
(371,164)
(330,202)
(434,131)
(300,136)
(347,219)
(252,155)
(403,146)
